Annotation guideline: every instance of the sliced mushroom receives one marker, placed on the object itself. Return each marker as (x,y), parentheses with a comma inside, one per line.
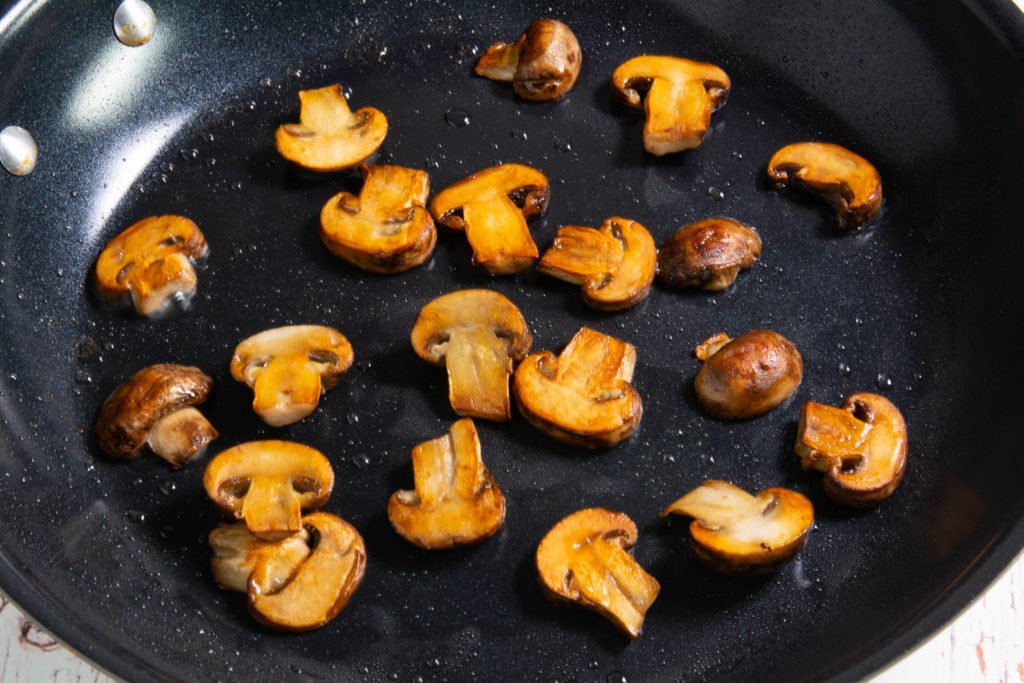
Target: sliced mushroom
(543,64)
(615,263)
(289,368)
(321,585)
(583,396)
(708,254)
(152,262)
(680,96)
(734,532)
(329,136)
(746,376)
(861,447)
(154,407)
(269,484)
(386,229)
(456,501)
(846,180)
(236,552)
(584,561)
(492,207)
(476,334)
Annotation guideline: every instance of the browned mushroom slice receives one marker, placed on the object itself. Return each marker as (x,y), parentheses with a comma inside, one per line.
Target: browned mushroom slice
(584,561)
(236,551)
(320,586)
(861,447)
(269,484)
(289,368)
(615,263)
(582,396)
(680,96)
(846,180)
(386,229)
(746,376)
(152,261)
(329,136)
(492,206)
(476,334)
(734,532)
(153,407)
(708,254)
(543,64)
(456,501)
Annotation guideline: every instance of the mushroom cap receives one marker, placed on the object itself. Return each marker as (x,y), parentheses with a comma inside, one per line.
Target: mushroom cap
(583,396)
(386,229)
(151,261)
(456,500)
(269,484)
(615,263)
(861,447)
(146,397)
(321,585)
(747,376)
(708,254)
(329,136)
(680,96)
(543,64)
(848,181)
(289,368)
(583,560)
(737,533)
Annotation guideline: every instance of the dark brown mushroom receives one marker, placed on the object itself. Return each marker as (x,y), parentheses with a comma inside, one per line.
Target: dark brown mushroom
(543,64)
(746,376)
(708,254)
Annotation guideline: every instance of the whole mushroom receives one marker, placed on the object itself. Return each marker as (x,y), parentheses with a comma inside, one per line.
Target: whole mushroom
(543,64)
(708,254)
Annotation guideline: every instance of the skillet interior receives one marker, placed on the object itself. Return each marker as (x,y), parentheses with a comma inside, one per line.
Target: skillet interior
(113,556)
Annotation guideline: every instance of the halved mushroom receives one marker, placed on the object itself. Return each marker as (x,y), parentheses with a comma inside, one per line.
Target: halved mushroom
(748,375)
(236,551)
(846,180)
(708,254)
(269,484)
(154,407)
(680,96)
(476,334)
(734,532)
(152,261)
(456,501)
(492,207)
(386,229)
(543,64)
(329,136)
(289,368)
(583,396)
(861,447)
(584,561)
(615,263)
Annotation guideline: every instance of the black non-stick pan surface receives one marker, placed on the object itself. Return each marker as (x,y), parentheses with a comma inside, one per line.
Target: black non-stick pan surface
(925,307)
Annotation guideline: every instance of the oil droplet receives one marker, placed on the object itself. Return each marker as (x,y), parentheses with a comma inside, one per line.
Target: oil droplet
(716,194)
(668,459)
(361,461)
(189,154)
(136,516)
(237,185)
(563,146)
(211,162)
(434,663)
(266,82)
(83,377)
(844,369)
(346,91)
(352,418)
(883,382)
(167,487)
(431,162)
(519,134)
(456,118)
(87,350)
(166,532)
(617,677)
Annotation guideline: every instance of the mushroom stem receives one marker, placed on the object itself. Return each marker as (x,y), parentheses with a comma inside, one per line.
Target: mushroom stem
(478,370)
(180,436)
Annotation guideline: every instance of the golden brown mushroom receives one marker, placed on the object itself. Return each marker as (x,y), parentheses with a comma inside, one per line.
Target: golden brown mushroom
(746,376)
(708,254)
(861,447)
(456,501)
(583,396)
(154,407)
(329,136)
(269,484)
(296,584)
(615,263)
(584,561)
(476,334)
(543,64)
(386,229)
(152,262)
(734,532)
(492,207)
(846,180)
(289,368)
(680,96)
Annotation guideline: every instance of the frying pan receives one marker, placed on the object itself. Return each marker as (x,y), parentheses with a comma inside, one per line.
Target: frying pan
(113,556)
